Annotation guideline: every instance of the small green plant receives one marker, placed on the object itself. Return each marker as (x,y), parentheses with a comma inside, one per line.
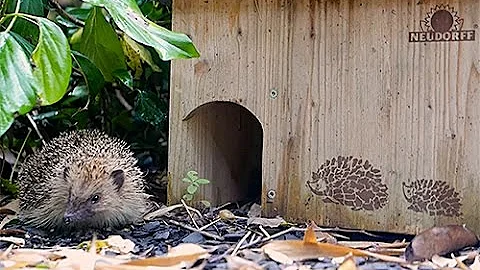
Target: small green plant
(194,183)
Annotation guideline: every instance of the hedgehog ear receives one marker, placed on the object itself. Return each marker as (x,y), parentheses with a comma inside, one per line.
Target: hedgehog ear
(118,177)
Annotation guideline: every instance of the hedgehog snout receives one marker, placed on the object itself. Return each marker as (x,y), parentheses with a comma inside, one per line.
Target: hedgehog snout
(77,214)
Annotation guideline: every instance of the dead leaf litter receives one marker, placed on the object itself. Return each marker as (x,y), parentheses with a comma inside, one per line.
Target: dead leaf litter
(232,237)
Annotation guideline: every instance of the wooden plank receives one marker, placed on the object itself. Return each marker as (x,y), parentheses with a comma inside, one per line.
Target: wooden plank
(348,83)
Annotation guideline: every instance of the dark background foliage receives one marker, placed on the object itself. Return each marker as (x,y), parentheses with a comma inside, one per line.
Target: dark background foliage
(135,111)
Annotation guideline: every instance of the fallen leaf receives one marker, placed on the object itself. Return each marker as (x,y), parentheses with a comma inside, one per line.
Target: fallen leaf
(80,259)
(268,222)
(13,206)
(226,215)
(476,264)
(348,264)
(117,243)
(238,263)
(255,211)
(460,263)
(161,212)
(11,232)
(368,244)
(439,240)
(278,256)
(10,210)
(15,240)
(308,248)
(443,262)
(183,254)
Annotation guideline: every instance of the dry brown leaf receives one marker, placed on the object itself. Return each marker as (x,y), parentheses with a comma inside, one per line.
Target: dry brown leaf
(238,263)
(309,248)
(80,259)
(385,258)
(460,263)
(476,263)
(278,256)
(183,253)
(8,209)
(348,264)
(226,215)
(439,240)
(15,240)
(443,262)
(268,222)
(13,206)
(255,211)
(326,237)
(161,212)
(369,244)
(117,243)
(12,232)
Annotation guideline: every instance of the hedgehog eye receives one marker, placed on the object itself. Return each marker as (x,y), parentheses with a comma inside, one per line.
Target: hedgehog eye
(94,199)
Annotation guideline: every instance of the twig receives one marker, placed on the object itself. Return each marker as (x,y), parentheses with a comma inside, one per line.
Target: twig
(262,240)
(216,237)
(65,14)
(235,250)
(210,224)
(19,153)
(36,128)
(189,214)
(264,231)
(122,100)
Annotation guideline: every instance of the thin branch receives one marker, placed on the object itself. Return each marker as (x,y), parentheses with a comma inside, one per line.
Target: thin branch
(19,153)
(189,214)
(65,14)
(122,100)
(237,247)
(36,128)
(216,237)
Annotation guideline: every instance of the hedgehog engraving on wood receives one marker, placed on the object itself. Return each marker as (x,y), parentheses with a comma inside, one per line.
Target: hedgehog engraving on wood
(437,198)
(350,181)
(81,179)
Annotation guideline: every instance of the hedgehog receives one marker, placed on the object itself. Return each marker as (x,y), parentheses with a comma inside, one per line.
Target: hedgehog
(81,179)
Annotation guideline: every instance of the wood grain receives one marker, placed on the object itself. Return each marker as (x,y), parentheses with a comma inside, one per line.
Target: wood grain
(348,83)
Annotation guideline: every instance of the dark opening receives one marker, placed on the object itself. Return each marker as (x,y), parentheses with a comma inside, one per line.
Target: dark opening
(229,139)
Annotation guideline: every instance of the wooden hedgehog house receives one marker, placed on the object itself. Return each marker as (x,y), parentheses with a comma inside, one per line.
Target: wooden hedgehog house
(353,113)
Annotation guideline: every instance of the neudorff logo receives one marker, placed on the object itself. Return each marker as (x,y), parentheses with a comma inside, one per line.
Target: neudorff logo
(442,23)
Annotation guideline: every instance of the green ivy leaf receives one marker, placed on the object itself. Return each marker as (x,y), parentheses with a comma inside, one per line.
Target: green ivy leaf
(192,189)
(100,44)
(17,84)
(187,197)
(25,28)
(128,17)
(186,180)
(147,108)
(92,75)
(193,175)
(53,63)
(124,77)
(202,181)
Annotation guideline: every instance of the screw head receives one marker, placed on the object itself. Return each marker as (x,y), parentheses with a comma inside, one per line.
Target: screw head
(273,93)
(271,194)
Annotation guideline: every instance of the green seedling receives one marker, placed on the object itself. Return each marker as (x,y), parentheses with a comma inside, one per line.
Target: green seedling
(194,183)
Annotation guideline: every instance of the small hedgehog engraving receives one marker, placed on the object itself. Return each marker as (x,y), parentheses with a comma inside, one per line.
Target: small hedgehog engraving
(436,198)
(81,179)
(351,182)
